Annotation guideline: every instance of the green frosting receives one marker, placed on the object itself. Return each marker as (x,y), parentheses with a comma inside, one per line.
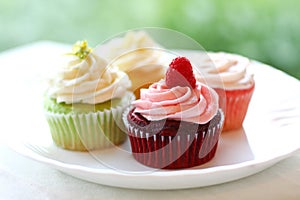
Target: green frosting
(51,105)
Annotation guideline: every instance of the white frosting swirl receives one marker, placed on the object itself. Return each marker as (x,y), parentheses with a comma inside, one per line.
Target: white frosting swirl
(222,70)
(88,81)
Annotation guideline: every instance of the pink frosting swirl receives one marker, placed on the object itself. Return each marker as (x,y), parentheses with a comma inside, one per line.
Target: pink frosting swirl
(198,105)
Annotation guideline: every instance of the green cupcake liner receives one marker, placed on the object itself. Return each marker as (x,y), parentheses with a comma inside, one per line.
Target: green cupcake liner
(91,131)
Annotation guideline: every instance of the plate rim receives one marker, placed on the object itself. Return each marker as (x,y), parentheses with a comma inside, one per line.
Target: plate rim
(74,170)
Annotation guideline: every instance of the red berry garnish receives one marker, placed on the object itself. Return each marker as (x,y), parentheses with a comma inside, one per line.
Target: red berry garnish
(180,73)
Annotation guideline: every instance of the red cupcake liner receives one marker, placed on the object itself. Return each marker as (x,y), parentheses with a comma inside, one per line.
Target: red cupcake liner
(237,102)
(174,152)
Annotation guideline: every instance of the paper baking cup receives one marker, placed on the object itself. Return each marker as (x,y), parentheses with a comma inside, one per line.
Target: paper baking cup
(82,132)
(237,102)
(174,152)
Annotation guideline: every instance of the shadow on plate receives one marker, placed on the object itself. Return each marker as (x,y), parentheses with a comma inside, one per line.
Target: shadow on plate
(233,149)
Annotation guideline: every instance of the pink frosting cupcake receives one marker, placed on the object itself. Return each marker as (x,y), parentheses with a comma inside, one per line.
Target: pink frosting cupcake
(228,75)
(173,125)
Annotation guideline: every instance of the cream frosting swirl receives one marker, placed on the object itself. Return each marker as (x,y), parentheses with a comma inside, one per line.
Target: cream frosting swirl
(138,55)
(88,80)
(198,105)
(222,70)
(133,40)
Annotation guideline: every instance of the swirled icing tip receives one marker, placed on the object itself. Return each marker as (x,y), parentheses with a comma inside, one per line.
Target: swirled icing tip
(80,49)
(180,73)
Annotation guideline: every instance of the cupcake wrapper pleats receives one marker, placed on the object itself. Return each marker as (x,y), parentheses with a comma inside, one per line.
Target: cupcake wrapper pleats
(237,102)
(174,152)
(82,132)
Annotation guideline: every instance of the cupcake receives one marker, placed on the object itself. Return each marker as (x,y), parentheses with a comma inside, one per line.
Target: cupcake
(176,123)
(138,55)
(228,75)
(85,100)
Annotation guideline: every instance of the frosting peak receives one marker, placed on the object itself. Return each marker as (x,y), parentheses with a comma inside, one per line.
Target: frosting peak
(132,41)
(138,55)
(88,80)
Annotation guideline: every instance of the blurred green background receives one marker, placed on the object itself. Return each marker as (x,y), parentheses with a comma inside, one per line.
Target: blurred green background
(266,30)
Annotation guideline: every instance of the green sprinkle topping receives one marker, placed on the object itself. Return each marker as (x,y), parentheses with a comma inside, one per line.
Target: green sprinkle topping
(81,49)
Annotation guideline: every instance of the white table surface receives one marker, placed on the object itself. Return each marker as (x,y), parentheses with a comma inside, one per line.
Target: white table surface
(23,178)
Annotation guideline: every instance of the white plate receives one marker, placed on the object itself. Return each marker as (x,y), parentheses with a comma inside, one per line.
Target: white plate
(270,134)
